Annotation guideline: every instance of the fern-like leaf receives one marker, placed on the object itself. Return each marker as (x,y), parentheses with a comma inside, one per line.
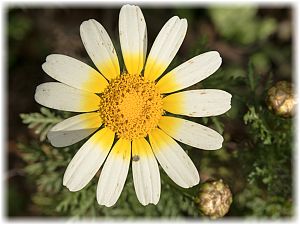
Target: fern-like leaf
(41,122)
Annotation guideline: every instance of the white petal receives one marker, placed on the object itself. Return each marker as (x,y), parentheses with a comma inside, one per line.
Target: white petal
(74,73)
(74,129)
(100,48)
(114,173)
(190,72)
(198,103)
(133,38)
(145,172)
(175,162)
(88,160)
(191,133)
(62,97)
(165,47)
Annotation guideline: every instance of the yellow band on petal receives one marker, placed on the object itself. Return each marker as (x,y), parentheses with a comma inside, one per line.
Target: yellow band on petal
(103,139)
(89,102)
(134,62)
(91,120)
(122,149)
(174,103)
(154,69)
(92,85)
(167,83)
(108,136)
(169,124)
(109,69)
(159,140)
(140,148)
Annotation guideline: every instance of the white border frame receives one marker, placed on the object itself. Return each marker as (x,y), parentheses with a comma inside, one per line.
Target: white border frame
(154,3)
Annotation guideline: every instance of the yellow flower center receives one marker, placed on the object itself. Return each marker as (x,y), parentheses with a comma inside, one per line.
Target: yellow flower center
(131,106)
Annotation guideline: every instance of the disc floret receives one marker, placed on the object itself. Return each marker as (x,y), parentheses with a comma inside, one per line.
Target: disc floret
(131,106)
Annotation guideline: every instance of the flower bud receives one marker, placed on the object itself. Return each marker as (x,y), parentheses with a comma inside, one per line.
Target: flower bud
(281,99)
(214,198)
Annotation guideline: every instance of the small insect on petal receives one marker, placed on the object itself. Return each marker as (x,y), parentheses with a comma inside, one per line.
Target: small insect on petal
(135,158)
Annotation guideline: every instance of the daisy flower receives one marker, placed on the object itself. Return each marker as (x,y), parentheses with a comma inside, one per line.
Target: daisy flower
(130,114)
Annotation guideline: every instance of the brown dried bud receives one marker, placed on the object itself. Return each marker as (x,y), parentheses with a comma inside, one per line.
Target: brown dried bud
(281,99)
(214,198)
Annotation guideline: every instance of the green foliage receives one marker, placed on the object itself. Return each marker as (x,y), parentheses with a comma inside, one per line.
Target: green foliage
(13,194)
(256,161)
(261,61)
(43,167)
(258,125)
(19,27)
(257,202)
(42,122)
(269,151)
(241,24)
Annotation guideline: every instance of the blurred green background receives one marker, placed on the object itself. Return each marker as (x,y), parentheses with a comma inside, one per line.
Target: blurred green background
(256,46)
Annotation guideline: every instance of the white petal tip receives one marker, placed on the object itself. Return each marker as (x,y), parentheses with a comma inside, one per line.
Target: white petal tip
(216,55)
(218,146)
(197,180)
(152,201)
(86,23)
(184,20)
(227,101)
(193,182)
(52,139)
(149,203)
(50,57)
(54,144)
(49,137)
(128,6)
(106,204)
(73,187)
(218,58)
(70,188)
(44,65)
(39,91)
